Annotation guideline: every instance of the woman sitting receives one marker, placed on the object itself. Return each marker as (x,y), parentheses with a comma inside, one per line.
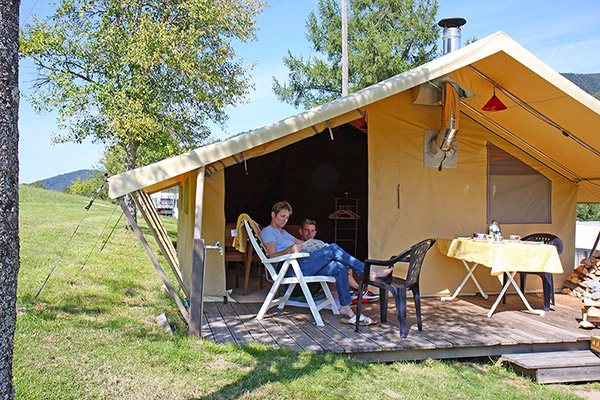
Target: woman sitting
(330,260)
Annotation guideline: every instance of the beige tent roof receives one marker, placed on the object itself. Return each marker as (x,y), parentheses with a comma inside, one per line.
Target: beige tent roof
(560,127)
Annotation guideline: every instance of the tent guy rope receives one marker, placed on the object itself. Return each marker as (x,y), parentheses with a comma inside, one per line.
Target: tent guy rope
(98,238)
(87,209)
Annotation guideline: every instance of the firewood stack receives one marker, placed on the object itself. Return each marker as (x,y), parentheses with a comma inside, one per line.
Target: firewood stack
(588,269)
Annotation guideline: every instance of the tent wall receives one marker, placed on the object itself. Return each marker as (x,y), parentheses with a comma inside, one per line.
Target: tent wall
(213,225)
(589,192)
(213,230)
(409,202)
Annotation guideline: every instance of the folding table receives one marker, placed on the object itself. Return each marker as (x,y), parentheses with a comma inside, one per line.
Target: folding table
(508,257)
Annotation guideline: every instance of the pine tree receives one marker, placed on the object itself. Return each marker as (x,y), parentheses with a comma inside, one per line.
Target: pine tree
(385,38)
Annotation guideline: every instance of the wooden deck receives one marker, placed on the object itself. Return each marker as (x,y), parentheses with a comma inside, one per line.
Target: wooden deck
(453,329)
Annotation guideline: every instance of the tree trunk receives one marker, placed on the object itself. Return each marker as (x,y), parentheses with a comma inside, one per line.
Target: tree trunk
(9,188)
(130,163)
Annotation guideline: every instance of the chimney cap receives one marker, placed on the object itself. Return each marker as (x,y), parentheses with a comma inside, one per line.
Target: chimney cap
(452,22)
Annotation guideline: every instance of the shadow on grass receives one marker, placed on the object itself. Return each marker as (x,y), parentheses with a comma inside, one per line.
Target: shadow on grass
(282,366)
(121,310)
(76,304)
(106,298)
(52,312)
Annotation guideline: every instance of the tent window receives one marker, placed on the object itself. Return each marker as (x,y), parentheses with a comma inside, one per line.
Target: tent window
(516,193)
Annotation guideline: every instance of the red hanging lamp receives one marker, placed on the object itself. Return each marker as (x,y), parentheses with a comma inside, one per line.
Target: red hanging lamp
(494,103)
(364,125)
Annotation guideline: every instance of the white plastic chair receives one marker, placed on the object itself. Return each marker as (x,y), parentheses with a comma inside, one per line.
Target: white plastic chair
(279,279)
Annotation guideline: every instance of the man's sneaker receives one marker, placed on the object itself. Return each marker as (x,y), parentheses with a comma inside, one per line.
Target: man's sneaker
(369,296)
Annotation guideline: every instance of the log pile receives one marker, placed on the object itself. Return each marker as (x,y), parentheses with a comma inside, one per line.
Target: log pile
(588,269)
(584,283)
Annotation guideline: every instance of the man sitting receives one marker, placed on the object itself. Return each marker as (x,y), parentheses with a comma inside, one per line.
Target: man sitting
(308,231)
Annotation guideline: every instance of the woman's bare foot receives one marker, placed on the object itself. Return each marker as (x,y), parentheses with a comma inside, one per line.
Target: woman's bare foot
(380,273)
(347,311)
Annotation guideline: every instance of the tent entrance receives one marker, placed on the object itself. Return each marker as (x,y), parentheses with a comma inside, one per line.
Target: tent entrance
(309,174)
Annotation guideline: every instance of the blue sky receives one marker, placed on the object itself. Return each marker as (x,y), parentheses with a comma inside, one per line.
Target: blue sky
(563,34)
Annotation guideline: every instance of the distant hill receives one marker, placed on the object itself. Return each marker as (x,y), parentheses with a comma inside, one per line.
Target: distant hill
(61,181)
(588,82)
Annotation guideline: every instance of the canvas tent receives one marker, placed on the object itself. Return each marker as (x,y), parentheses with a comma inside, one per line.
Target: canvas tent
(529,164)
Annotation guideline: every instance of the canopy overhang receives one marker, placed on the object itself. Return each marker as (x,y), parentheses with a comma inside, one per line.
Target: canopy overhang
(548,117)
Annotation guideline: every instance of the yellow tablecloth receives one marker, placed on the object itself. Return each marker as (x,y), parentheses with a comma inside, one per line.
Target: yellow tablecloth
(503,256)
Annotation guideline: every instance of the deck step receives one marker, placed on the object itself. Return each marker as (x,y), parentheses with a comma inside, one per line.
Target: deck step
(557,366)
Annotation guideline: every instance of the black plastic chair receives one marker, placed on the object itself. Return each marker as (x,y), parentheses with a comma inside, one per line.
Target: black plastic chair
(414,256)
(547,279)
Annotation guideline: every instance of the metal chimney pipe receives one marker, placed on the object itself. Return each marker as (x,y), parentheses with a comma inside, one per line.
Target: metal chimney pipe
(451,33)
(450,116)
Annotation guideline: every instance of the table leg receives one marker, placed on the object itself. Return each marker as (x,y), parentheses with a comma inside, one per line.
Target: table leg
(475,280)
(469,275)
(509,281)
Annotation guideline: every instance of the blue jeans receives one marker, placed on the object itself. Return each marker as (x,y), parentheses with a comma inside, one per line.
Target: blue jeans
(332,260)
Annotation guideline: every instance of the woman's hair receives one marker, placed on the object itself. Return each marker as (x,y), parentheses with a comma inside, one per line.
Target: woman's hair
(281,205)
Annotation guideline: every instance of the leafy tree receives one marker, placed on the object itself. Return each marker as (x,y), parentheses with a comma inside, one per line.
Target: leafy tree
(385,38)
(588,212)
(140,73)
(9,189)
(87,187)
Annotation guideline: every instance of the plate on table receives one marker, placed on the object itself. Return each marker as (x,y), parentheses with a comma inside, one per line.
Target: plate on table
(464,237)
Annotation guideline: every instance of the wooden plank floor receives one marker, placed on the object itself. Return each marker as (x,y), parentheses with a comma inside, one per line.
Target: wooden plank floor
(453,329)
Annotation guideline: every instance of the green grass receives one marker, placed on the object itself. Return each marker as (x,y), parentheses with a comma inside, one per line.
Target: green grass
(91,334)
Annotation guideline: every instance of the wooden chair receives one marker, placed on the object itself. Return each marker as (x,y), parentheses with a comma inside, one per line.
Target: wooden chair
(278,267)
(547,279)
(241,259)
(414,256)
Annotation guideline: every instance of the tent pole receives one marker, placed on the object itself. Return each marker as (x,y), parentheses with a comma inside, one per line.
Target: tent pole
(522,142)
(154,260)
(518,139)
(595,244)
(523,150)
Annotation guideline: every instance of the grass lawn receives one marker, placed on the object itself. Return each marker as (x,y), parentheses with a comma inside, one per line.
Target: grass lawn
(91,333)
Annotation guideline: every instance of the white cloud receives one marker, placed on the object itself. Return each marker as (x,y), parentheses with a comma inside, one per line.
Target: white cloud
(577,57)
